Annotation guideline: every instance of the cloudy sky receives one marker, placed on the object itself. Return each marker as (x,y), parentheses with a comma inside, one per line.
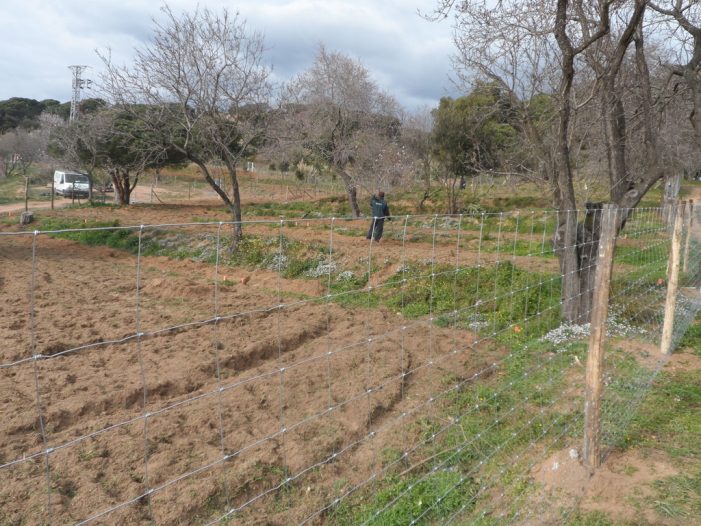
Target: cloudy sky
(408,56)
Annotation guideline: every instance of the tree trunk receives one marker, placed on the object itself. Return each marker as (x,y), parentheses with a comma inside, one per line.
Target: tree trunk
(588,235)
(90,188)
(210,180)
(122,188)
(235,206)
(352,192)
(565,246)
(694,83)
(615,124)
(565,242)
(452,197)
(566,235)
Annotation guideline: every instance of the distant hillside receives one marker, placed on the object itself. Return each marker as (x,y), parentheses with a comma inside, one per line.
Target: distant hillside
(19,112)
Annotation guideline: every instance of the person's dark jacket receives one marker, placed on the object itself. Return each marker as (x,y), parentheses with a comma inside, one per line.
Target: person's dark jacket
(379,206)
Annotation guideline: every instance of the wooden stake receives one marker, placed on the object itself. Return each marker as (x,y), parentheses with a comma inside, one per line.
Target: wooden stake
(689,228)
(53,189)
(599,315)
(672,281)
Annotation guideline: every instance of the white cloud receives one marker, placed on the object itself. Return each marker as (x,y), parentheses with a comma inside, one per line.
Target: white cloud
(408,56)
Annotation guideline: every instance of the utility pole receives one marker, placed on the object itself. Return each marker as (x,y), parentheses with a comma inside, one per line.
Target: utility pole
(78,84)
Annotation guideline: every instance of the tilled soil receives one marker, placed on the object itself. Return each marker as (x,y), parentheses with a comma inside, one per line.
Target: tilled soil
(209,397)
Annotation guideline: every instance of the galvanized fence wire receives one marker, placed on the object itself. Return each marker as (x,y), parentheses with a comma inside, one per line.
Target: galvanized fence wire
(508,263)
(639,393)
(626,384)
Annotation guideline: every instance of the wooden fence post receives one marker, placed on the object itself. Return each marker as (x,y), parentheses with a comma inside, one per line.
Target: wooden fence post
(599,314)
(671,198)
(672,280)
(689,228)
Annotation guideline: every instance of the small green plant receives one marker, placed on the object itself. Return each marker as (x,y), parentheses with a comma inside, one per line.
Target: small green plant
(692,338)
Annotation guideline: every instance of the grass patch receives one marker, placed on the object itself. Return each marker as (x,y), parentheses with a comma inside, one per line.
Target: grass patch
(668,419)
(519,247)
(324,207)
(655,253)
(408,498)
(679,497)
(12,190)
(692,338)
(94,233)
(498,297)
(595,518)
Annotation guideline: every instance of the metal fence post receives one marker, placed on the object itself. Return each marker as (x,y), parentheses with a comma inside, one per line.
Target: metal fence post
(599,314)
(672,280)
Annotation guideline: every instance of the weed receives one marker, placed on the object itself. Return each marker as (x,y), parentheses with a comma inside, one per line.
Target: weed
(692,338)
(408,498)
(679,497)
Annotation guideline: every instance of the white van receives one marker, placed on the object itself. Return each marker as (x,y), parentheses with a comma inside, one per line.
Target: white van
(71,184)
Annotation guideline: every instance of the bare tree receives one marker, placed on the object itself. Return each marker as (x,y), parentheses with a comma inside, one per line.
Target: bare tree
(339,118)
(536,49)
(686,15)
(19,149)
(204,73)
(416,136)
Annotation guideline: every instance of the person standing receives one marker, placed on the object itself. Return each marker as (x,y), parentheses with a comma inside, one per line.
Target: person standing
(380,211)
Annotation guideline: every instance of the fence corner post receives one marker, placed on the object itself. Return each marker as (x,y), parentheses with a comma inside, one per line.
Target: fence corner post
(672,280)
(599,315)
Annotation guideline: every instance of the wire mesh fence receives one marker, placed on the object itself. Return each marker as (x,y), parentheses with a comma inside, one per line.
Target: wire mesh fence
(153,374)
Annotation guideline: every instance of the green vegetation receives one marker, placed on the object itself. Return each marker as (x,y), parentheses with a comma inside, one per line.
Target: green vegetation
(692,338)
(650,253)
(492,420)
(19,112)
(680,497)
(669,418)
(94,233)
(502,295)
(595,518)
(434,495)
(12,189)
(325,207)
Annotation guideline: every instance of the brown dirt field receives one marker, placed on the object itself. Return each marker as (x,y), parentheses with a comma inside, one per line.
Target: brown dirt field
(310,230)
(108,399)
(212,416)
